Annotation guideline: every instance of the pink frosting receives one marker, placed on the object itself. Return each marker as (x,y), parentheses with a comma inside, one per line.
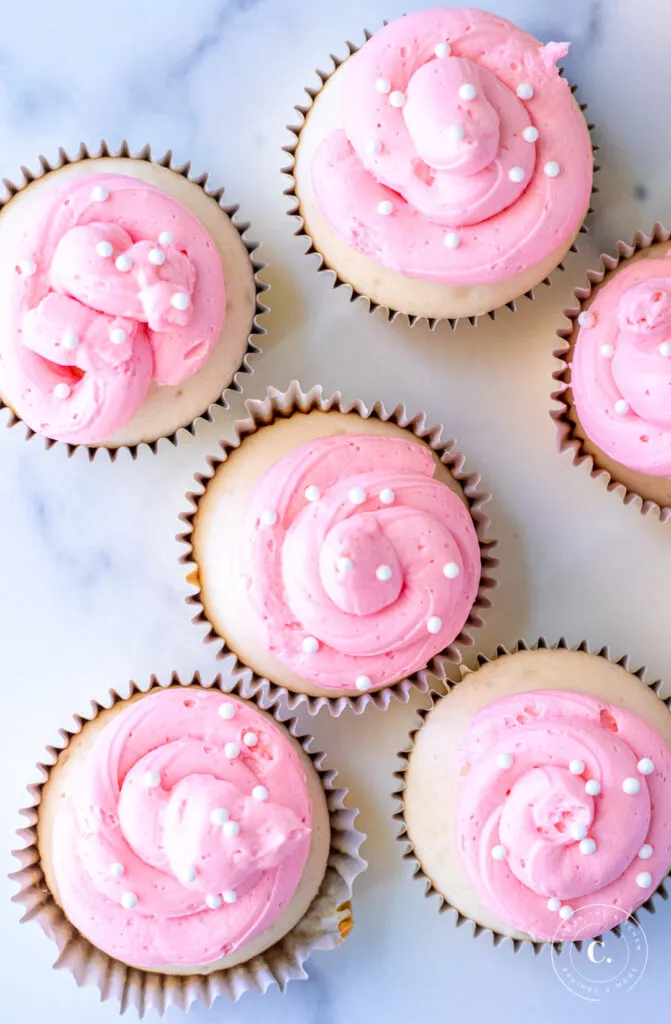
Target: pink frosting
(175,858)
(89,332)
(623,354)
(361,570)
(443,161)
(531,807)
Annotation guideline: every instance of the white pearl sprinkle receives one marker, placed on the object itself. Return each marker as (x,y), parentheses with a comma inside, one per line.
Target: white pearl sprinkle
(467,91)
(219,816)
(188,875)
(116,869)
(99,194)
(578,832)
(551,169)
(455,133)
(374,147)
(128,900)
(525,90)
(363,683)
(554,904)
(357,495)
(592,787)
(260,793)
(645,766)
(383,572)
(644,880)
(587,846)
(69,340)
(566,912)
(499,852)
(383,85)
(631,786)
(250,739)
(516,174)
(157,257)
(118,336)
(151,780)
(213,901)
(665,349)
(231,750)
(268,517)
(607,351)
(530,133)
(443,50)
(104,249)
(621,407)
(226,710)
(310,645)
(387,496)
(385,208)
(166,238)
(646,851)
(452,240)
(28,267)
(312,493)
(576,767)
(434,624)
(344,564)
(123,263)
(229,896)
(62,390)
(586,319)
(231,829)
(504,760)
(451,570)
(397,98)
(180,300)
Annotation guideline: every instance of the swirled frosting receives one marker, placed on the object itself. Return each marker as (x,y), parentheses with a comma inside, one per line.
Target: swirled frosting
(117,286)
(186,832)
(358,565)
(463,157)
(621,367)
(564,802)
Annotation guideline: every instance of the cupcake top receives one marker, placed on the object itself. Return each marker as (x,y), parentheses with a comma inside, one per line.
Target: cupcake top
(463,157)
(358,566)
(188,832)
(117,286)
(621,367)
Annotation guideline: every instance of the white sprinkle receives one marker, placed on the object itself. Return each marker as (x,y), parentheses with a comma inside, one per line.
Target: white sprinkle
(166,238)
(180,300)
(665,349)
(504,760)
(587,846)
(226,710)
(229,896)
(250,739)
(213,902)
(312,493)
(344,564)
(645,766)
(310,645)
(551,169)
(396,98)
(28,267)
(516,174)
(151,780)
(576,767)
(123,263)
(593,788)
(646,851)
(578,832)
(118,336)
(383,85)
(644,880)
(357,495)
(104,249)
(128,900)
(621,407)
(530,133)
(467,91)
(69,340)
(363,683)
(387,496)
(260,793)
(219,816)
(268,517)
(566,912)
(451,570)
(443,50)
(231,829)
(455,133)
(188,875)
(452,240)
(586,319)
(383,572)
(385,208)
(374,147)
(62,390)
(631,786)
(554,904)
(116,869)
(99,194)
(607,351)
(157,257)
(231,750)
(434,625)
(525,90)
(499,853)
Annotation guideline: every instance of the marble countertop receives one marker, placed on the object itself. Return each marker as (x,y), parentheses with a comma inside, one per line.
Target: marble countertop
(92,593)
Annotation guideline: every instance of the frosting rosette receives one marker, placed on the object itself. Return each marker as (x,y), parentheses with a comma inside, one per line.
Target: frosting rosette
(117,286)
(359,566)
(188,833)
(563,804)
(621,367)
(462,157)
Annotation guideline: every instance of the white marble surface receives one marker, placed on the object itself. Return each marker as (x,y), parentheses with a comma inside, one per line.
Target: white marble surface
(92,593)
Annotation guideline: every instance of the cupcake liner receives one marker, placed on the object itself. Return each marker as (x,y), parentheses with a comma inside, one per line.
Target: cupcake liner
(257,331)
(390,314)
(568,436)
(403,838)
(279,404)
(326,924)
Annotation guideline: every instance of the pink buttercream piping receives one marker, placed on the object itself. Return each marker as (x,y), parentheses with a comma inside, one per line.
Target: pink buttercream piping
(158,830)
(444,162)
(312,573)
(83,389)
(531,807)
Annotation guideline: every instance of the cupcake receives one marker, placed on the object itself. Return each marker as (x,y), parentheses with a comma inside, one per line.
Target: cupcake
(444,169)
(337,552)
(128,297)
(616,404)
(183,833)
(537,795)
